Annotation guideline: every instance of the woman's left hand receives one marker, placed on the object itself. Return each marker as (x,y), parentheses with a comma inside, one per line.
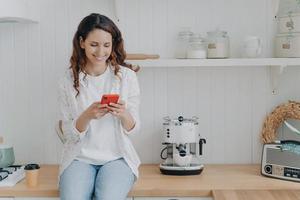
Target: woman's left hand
(118,109)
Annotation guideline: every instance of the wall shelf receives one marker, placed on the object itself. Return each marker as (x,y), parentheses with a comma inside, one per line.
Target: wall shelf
(246,62)
(17,11)
(277,65)
(17,20)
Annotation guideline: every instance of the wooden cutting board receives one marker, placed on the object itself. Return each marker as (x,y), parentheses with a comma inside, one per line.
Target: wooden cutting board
(141,56)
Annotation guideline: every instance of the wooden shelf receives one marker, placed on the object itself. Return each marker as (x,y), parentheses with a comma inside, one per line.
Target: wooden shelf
(218,62)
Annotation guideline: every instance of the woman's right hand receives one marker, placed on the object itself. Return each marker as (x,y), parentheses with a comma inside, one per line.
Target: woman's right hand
(94,111)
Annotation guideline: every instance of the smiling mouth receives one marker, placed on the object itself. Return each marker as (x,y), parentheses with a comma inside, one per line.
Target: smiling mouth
(100,58)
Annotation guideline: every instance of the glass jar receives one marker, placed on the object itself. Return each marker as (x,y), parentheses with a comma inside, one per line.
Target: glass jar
(183,38)
(196,47)
(218,44)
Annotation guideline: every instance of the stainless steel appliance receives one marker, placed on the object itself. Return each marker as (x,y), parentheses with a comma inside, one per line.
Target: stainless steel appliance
(282,160)
(183,147)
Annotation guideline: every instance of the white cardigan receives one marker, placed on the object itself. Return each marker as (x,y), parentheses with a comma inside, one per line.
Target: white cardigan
(126,85)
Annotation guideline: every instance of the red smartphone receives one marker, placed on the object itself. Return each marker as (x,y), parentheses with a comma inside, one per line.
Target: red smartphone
(109,98)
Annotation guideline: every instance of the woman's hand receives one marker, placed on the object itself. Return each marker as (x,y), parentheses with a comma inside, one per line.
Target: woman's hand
(94,111)
(119,110)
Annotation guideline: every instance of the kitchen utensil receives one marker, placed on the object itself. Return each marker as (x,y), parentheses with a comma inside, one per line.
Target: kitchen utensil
(141,56)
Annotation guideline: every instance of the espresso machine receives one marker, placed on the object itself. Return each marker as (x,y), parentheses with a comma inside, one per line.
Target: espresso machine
(183,147)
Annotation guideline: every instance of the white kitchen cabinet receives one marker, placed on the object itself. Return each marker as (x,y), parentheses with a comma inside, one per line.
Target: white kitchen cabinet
(6,198)
(173,198)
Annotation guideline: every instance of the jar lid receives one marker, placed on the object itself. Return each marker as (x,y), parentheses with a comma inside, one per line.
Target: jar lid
(292,14)
(197,38)
(217,32)
(185,33)
(5,146)
(289,35)
(31,166)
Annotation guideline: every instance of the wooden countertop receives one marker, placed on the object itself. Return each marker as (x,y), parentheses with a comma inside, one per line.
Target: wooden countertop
(151,182)
(256,194)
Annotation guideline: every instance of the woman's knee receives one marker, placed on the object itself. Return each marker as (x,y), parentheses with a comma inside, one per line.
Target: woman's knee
(114,181)
(77,182)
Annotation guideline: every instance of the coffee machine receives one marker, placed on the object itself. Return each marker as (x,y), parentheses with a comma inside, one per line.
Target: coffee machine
(183,147)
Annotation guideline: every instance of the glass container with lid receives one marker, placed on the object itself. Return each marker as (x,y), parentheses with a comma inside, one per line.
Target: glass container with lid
(182,42)
(196,47)
(218,44)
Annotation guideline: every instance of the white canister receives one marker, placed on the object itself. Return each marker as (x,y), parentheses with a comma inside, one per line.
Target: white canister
(287,45)
(289,23)
(196,47)
(217,44)
(251,47)
(182,42)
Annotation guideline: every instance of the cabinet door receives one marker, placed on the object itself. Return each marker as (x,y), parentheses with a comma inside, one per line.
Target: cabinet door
(173,198)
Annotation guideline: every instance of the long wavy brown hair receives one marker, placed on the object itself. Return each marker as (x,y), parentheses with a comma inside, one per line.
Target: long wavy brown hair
(78,59)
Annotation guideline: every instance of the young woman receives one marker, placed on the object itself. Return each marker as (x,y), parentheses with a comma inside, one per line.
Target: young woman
(98,161)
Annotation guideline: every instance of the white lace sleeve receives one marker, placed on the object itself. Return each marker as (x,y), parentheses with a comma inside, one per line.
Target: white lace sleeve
(66,114)
(133,102)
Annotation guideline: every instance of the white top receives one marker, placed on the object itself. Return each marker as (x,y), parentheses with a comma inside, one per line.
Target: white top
(99,146)
(70,107)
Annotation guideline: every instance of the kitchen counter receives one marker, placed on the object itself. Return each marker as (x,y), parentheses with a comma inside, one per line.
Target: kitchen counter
(223,181)
(256,194)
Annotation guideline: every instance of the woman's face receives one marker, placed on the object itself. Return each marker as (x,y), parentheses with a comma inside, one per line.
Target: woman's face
(97,47)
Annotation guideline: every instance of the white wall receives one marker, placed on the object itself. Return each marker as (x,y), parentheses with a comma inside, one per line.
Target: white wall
(231,102)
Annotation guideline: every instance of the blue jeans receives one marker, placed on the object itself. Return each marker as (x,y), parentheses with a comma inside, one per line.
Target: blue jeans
(82,181)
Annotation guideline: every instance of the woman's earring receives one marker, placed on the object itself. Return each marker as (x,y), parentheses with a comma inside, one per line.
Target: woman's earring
(81,42)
